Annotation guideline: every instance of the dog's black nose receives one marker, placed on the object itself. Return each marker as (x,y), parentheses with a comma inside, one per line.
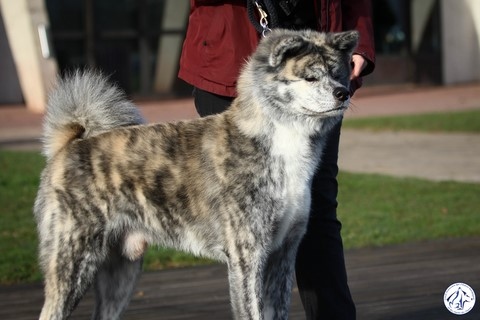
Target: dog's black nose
(341,93)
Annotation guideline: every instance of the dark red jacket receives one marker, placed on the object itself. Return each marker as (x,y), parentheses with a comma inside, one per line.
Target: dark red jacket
(220,38)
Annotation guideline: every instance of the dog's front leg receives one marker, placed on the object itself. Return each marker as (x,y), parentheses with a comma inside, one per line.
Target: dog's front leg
(278,284)
(278,278)
(245,272)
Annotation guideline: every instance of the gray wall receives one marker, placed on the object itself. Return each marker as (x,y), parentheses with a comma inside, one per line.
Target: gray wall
(10,91)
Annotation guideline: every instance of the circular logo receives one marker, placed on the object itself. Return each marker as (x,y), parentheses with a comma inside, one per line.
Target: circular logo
(459,298)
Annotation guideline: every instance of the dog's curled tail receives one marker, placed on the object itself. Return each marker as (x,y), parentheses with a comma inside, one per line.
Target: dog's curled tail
(82,105)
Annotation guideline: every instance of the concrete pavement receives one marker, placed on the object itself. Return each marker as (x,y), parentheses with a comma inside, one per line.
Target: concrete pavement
(428,156)
(438,156)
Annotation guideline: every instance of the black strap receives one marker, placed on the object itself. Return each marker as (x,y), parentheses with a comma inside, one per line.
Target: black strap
(272,11)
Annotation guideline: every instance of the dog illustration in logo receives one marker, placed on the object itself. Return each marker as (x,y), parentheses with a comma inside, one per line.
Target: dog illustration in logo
(458,299)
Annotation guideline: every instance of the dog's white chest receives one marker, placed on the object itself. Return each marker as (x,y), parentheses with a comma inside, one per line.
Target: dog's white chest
(293,149)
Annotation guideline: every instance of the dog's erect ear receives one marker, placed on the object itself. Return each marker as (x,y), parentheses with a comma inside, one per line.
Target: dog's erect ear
(284,47)
(345,41)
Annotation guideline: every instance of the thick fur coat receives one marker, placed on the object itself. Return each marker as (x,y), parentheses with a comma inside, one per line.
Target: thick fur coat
(234,187)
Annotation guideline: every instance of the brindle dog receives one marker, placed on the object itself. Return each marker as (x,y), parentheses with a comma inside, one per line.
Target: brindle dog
(233,187)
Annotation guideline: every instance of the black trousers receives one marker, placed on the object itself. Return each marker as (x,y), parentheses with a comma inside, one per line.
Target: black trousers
(320,265)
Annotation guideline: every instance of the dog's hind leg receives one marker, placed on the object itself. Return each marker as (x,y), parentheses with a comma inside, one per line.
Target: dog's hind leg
(69,270)
(72,246)
(114,285)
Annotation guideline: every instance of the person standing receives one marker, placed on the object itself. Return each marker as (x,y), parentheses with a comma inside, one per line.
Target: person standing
(220,36)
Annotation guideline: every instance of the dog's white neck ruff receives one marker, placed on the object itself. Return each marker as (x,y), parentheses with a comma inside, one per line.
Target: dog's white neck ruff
(296,152)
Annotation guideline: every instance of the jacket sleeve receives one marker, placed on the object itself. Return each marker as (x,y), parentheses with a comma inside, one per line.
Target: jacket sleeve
(357,15)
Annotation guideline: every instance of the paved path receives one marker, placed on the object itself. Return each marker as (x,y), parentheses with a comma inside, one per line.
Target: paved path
(377,102)
(404,282)
(437,156)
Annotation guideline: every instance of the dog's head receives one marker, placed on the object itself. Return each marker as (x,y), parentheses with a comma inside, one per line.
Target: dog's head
(301,74)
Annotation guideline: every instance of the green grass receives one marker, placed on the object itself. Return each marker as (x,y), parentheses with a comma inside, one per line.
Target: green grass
(464,121)
(19,177)
(375,210)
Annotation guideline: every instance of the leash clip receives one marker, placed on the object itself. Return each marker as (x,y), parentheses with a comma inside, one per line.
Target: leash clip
(263,19)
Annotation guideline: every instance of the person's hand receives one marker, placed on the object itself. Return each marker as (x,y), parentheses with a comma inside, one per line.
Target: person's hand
(358,64)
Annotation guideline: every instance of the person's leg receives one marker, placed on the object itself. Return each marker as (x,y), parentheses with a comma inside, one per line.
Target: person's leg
(208,103)
(320,265)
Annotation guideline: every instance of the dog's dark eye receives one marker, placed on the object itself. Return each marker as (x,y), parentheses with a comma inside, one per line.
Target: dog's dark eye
(311,79)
